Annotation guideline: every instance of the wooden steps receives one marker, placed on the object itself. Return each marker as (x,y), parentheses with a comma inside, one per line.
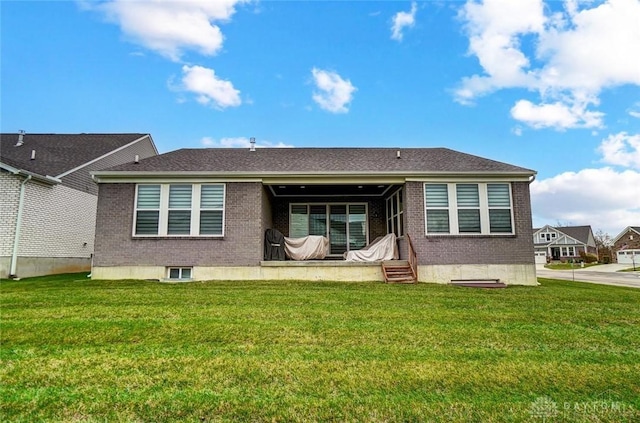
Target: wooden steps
(398,271)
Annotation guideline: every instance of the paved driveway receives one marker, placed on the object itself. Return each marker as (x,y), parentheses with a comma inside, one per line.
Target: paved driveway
(606,274)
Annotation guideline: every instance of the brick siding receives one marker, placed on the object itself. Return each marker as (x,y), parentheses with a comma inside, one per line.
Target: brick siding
(10,194)
(251,209)
(436,250)
(626,241)
(57,221)
(241,245)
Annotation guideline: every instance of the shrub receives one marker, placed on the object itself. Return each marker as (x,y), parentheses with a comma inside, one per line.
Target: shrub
(588,258)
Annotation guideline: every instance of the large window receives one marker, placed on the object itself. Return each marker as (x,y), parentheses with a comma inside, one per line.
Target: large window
(346,225)
(462,208)
(395,214)
(179,210)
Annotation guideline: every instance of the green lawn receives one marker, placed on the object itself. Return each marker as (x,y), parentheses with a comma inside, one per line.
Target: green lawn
(568,266)
(80,350)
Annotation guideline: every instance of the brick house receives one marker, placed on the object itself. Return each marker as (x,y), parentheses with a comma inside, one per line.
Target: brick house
(627,245)
(202,214)
(47,218)
(563,243)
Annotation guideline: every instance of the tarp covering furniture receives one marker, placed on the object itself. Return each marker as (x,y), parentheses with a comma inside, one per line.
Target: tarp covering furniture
(273,245)
(382,248)
(307,248)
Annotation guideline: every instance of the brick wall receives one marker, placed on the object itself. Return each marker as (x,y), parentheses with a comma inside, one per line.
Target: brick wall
(267,213)
(630,240)
(241,245)
(57,221)
(9,197)
(516,249)
(81,178)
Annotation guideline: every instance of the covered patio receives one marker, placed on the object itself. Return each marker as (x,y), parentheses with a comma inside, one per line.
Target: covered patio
(350,216)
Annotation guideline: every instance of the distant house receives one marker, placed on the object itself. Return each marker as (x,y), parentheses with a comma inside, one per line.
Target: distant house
(563,242)
(47,218)
(627,245)
(202,214)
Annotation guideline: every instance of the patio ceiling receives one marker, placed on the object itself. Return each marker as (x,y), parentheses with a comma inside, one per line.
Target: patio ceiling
(327,190)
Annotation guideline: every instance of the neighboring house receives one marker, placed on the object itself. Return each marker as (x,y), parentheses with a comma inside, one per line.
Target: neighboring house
(563,242)
(47,217)
(627,245)
(202,213)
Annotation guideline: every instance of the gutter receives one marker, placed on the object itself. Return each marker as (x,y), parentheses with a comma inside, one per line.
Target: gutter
(46,179)
(28,176)
(16,237)
(283,177)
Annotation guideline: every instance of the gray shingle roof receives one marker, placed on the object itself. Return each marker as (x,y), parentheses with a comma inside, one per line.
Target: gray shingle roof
(319,160)
(58,153)
(581,233)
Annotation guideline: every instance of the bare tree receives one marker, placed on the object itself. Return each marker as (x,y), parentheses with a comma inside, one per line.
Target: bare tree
(604,244)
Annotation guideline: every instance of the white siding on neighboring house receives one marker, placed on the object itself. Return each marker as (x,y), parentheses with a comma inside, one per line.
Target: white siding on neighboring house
(57,221)
(81,180)
(9,195)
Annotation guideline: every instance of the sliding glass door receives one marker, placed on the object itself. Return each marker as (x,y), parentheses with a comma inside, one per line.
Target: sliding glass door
(346,225)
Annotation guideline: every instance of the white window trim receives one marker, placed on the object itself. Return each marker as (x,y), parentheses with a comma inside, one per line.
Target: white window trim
(163,219)
(180,269)
(453,210)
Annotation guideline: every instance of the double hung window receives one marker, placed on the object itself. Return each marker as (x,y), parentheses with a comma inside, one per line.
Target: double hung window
(179,210)
(464,208)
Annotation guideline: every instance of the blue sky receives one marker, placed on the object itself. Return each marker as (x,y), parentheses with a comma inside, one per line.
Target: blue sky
(551,86)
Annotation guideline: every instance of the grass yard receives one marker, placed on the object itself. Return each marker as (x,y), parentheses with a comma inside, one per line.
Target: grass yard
(80,350)
(569,266)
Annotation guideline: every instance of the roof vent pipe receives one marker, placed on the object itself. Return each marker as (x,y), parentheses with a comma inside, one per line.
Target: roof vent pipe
(20,138)
(33,154)
(398,154)
(136,159)
(252,141)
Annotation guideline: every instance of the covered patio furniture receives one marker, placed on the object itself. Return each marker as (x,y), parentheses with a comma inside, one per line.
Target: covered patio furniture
(273,245)
(312,247)
(381,249)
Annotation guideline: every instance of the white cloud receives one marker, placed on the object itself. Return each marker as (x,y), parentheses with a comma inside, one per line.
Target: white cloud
(622,150)
(240,142)
(576,54)
(209,89)
(603,198)
(556,115)
(333,93)
(402,20)
(634,110)
(171,27)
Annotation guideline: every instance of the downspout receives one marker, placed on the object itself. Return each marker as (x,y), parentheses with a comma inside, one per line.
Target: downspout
(16,238)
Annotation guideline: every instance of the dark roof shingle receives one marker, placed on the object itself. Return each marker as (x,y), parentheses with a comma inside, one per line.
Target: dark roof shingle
(581,233)
(58,153)
(319,160)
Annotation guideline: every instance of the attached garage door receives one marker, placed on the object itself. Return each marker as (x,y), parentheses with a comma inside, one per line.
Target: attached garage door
(541,257)
(627,256)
